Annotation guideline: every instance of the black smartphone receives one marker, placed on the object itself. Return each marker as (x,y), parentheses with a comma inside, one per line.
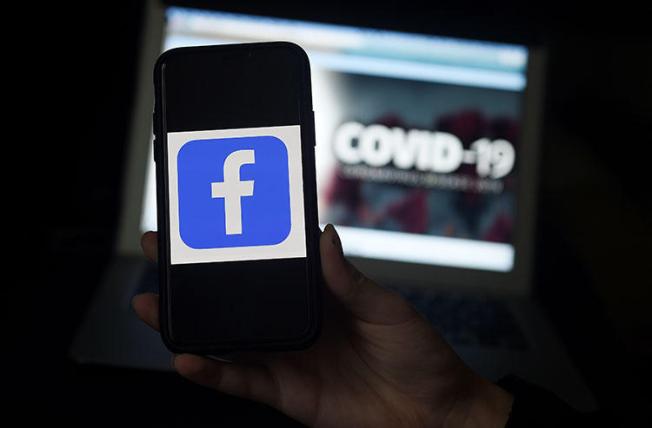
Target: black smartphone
(239,265)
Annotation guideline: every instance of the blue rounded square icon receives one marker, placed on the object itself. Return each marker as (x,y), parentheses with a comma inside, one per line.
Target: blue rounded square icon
(233,192)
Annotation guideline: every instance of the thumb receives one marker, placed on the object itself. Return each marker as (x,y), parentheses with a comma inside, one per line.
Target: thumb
(364,299)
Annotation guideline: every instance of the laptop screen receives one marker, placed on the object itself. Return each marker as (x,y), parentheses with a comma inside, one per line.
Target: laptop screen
(417,136)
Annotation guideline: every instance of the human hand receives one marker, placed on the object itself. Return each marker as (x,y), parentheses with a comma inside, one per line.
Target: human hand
(377,362)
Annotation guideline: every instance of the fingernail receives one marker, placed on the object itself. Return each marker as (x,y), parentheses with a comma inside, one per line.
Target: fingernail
(331,230)
(335,238)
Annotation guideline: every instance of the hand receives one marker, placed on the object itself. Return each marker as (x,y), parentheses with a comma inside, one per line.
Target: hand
(377,362)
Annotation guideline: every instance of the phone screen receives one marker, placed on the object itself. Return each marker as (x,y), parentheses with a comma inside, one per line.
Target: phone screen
(238,224)
(235,194)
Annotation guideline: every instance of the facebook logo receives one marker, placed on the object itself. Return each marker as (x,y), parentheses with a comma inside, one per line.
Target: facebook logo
(233,192)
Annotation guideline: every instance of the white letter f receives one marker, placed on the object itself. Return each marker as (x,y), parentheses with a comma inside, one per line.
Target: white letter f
(232,189)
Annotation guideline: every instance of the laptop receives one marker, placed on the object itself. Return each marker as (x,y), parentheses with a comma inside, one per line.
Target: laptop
(426,154)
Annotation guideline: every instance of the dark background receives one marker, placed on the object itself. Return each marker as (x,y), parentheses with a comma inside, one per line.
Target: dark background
(593,224)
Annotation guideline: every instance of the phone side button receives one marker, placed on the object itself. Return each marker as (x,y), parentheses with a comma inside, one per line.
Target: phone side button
(154,121)
(155,149)
(312,124)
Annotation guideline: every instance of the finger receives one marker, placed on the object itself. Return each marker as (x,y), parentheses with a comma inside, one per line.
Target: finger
(149,244)
(364,298)
(146,307)
(252,382)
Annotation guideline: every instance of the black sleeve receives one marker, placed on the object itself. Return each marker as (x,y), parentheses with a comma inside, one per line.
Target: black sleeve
(536,407)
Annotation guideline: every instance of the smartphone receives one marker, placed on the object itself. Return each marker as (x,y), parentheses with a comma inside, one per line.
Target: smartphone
(239,265)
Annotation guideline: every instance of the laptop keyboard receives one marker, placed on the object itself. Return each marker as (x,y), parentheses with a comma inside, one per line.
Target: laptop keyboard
(462,320)
(467,320)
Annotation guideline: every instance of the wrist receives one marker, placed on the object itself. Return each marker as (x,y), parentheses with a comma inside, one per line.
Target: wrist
(481,404)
